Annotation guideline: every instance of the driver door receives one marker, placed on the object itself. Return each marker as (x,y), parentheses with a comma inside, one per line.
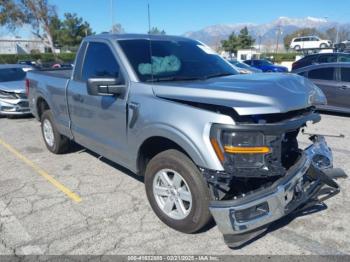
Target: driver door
(98,122)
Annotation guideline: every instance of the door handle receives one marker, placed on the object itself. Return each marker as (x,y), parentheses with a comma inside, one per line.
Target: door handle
(78,98)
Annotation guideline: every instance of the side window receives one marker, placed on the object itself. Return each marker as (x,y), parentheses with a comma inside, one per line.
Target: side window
(322,73)
(99,62)
(345,74)
(327,58)
(297,40)
(248,62)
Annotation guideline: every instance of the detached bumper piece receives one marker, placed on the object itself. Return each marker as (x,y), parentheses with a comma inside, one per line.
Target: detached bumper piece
(308,182)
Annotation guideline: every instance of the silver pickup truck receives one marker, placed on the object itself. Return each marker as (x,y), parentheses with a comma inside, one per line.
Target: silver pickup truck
(209,142)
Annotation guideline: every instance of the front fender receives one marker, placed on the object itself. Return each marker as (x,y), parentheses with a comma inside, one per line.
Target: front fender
(198,147)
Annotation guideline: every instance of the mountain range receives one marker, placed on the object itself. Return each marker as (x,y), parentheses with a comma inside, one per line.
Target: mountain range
(265,34)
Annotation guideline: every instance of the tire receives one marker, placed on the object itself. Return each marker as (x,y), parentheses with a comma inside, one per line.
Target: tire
(297,47)
(198,214)
(54,141)
(323,45)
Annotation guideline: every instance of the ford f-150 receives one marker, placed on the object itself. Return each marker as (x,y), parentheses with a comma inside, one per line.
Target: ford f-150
(209,142)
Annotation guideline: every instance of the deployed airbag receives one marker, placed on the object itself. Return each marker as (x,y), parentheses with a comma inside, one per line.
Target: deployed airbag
(160,65)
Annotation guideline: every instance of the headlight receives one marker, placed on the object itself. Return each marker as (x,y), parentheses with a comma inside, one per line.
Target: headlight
(316,96)
(240,149)
(6,95)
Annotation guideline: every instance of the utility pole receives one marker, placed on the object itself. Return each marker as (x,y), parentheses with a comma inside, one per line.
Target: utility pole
(278,31)
(259,37)
(112,15)
(337,35)
(149,19)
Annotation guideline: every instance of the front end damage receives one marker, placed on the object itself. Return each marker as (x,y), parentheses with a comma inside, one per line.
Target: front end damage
(267,176)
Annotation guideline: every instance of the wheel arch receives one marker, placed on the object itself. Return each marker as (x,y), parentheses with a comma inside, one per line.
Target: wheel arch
(154,145)
(41,106)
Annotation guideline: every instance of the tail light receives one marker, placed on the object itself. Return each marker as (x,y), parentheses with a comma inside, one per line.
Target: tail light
(27,83)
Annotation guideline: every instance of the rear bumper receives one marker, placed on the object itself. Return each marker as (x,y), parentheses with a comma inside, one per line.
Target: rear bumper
(242,219)
(14,107)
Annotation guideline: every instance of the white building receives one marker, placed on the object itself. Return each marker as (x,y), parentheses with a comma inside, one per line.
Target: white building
(20,46)
(247,54)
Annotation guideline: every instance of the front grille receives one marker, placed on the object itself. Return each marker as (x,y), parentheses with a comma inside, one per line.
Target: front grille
(21,95)
(23,104)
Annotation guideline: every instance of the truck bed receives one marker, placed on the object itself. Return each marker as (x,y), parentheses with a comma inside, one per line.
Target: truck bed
(60,73)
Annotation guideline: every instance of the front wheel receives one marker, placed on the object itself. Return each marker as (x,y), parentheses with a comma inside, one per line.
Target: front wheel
(177,191)
(297,48)
(323,46)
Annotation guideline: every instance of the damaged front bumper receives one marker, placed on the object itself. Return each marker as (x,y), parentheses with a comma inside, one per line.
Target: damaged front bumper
(305,182)
(18,106)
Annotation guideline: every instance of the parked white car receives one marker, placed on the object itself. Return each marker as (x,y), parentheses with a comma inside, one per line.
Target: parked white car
(309,42)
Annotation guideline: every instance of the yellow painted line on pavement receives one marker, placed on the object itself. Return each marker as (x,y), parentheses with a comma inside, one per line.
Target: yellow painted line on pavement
(73,196)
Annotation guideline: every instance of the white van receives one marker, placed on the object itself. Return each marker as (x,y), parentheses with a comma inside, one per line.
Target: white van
(309,42)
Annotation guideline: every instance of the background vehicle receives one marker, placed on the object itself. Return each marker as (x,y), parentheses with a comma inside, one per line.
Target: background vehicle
(245,69)
(13,98)
(170,109)
(26,62)
(343,46)
(334,80)
(309,42)
(266,66)
(320,59)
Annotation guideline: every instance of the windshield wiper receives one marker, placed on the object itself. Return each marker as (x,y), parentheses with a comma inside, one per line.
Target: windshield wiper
(217,75)
(173,78)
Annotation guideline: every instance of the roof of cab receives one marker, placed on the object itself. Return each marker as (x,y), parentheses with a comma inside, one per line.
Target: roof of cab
(118,37)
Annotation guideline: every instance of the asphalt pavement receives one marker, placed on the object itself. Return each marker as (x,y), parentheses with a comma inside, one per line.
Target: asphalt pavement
(78,203)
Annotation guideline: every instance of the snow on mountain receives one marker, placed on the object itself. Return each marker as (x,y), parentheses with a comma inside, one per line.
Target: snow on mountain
(212,35)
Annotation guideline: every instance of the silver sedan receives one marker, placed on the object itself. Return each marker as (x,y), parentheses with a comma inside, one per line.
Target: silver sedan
(13,98)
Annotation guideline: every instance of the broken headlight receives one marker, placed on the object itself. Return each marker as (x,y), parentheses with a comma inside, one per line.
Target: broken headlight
(6,95)
(241,149)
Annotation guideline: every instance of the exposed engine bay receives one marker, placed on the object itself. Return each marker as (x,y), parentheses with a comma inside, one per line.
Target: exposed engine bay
(246,173)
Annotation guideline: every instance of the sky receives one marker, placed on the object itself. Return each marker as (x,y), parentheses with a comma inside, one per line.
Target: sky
(179,16)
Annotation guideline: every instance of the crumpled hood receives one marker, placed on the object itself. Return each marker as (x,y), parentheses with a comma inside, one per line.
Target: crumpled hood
(13,86)
(247,94)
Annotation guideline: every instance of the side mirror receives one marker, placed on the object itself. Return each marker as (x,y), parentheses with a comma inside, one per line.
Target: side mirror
(105,86)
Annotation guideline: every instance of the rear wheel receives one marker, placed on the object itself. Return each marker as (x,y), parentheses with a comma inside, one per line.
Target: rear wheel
(54,141)
(177,192)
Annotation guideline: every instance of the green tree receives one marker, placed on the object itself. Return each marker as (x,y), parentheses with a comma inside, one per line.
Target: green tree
(156,31)
(36,13)
(55,29)
(72,30)
(245,40)
(301,32)
(231,45)
(234,42)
